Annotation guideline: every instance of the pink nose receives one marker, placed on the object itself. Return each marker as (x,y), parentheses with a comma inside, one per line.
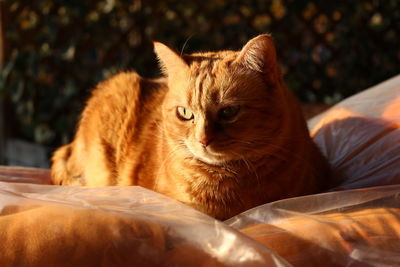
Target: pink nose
(206,141)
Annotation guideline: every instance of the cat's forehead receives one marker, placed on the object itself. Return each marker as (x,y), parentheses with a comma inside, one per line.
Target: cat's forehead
(212,84)
(213,80)
(210,60)
(211,68)
(203,89)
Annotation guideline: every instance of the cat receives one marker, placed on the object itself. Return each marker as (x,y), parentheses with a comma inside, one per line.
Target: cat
(220,132)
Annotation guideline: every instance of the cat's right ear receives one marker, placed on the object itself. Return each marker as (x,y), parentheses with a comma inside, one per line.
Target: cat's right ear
(172,64)
(259,54)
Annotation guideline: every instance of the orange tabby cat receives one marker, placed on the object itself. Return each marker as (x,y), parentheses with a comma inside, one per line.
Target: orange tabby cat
(221,133)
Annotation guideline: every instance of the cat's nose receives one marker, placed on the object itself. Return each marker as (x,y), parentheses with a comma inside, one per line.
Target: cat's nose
(205,141)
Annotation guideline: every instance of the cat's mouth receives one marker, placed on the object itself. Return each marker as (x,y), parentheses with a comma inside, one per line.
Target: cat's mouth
(206,155)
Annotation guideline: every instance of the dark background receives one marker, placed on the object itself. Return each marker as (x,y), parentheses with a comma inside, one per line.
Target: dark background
(54,52)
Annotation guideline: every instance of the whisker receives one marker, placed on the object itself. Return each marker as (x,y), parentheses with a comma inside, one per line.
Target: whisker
(248,163)
(169,156)
(184,45)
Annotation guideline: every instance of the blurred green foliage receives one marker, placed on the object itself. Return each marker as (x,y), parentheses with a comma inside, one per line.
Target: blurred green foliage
(56,51)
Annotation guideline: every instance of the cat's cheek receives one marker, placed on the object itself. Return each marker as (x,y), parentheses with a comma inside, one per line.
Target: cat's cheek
(195,152)
(189,144)
(178,128)
(198,151)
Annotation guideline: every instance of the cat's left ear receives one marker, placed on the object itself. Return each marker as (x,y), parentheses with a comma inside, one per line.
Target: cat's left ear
(259,54)
(171,63)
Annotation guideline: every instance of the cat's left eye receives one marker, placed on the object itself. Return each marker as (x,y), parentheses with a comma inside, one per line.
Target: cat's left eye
(184,113)
(229,113)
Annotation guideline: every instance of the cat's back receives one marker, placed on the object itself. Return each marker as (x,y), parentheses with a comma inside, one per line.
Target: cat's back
(112,115)
(118,101)
(119,95)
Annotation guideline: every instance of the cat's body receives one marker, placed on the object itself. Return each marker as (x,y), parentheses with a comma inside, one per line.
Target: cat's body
(222,133)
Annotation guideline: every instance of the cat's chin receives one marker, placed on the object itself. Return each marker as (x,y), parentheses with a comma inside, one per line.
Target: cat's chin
(210,161)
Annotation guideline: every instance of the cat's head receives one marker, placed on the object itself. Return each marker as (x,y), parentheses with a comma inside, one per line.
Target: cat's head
(222,106)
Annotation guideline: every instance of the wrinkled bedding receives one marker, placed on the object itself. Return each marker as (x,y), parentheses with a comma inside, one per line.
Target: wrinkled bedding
(356,223)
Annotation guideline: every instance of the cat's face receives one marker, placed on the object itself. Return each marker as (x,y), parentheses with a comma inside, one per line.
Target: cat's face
(217,110)
(218,115)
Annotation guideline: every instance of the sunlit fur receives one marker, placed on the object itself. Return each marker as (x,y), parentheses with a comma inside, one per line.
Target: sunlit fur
(131,134)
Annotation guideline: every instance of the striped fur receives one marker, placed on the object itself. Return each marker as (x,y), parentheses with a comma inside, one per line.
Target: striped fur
(130,133)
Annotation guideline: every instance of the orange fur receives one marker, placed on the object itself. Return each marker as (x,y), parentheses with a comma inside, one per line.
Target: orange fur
(130,133)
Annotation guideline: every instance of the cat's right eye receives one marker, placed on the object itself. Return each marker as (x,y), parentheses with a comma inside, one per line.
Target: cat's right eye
(229,112)
(184,113)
